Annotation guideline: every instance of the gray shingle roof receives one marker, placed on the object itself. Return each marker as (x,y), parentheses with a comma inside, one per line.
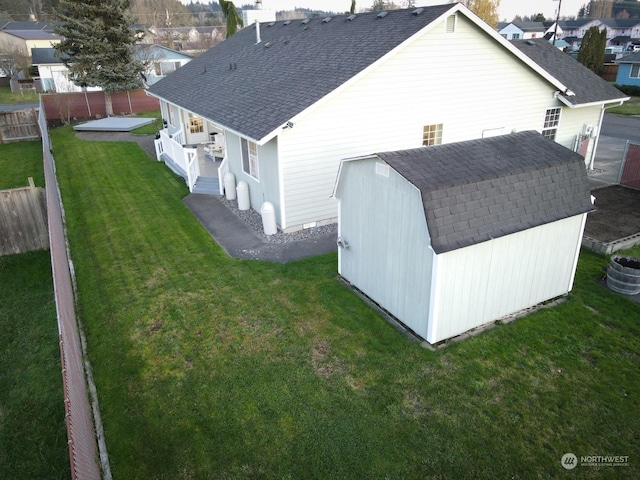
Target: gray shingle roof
(255,89)
(482,189)
(630,58)
(33,34)
(587,86)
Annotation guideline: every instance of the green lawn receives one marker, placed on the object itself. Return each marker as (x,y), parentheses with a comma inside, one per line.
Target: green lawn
(6,97)
(33,437)
(210,368)
(18,162)
(151,128)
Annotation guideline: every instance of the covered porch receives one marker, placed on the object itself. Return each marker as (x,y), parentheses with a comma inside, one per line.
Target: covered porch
(201,165)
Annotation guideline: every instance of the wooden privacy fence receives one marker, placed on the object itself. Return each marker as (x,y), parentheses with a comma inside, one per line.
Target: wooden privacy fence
(629,173)
(17,125)
(83,435)
(23,220)
(67,106)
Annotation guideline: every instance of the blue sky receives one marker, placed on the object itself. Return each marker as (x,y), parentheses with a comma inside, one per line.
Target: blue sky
(507,10)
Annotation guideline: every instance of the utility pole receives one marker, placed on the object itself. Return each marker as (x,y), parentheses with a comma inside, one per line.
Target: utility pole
(555,29)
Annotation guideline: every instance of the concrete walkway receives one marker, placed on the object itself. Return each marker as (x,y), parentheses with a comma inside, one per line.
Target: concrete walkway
(241,241)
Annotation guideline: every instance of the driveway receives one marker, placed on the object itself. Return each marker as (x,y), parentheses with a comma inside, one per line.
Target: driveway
(615,131)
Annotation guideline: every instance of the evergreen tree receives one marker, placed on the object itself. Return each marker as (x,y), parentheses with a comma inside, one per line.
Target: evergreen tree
(591,53)
(233,18)
(98,45)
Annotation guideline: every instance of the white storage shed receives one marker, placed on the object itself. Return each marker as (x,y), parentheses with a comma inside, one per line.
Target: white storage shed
(450,237)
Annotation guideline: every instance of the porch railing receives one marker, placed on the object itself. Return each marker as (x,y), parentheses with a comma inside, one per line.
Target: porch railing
(184,156)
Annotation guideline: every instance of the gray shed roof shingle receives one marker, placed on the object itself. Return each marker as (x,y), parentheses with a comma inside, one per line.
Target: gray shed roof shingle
(478,190)
(587,86)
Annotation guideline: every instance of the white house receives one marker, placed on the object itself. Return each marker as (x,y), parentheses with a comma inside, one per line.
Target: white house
(452,237)
(159,61)
(24,40)
(523,30)
(289,100)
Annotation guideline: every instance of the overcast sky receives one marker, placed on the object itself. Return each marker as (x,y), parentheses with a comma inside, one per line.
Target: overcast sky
(508,8)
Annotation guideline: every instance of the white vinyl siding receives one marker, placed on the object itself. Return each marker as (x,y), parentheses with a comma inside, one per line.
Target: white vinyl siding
(393,270)
(484,282)
(505,94)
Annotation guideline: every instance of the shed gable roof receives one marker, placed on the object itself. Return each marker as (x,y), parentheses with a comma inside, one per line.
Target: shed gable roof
(478,190)
(587,86)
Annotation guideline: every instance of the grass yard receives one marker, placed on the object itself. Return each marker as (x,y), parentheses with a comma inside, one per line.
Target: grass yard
(19,161)
(151,128)
(7,97)
(33,436)
(210,368)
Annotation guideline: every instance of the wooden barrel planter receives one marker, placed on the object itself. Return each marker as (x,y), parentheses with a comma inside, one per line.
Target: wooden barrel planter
(623,275)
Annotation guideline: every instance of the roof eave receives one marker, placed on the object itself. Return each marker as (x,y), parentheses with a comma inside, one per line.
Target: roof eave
(567,102)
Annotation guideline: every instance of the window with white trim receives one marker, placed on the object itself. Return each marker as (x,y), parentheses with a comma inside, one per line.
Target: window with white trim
(551,122)
(635,71)
(432,135)
(196,125)
(249,158)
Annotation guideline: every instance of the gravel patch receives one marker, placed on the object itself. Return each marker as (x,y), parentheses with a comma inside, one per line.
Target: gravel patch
(254,220)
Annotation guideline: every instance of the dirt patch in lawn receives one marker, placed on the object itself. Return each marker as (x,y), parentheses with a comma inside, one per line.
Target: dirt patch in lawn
(618,214)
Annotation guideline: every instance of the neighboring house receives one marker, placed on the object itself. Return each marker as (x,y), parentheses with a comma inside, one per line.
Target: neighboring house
(290,107)
(451,237)
(24,40)
(523,30)
(159,61)
(629,70)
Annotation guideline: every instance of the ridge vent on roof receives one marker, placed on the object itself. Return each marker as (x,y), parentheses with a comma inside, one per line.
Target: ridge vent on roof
(271,24)
(382,14)
(305,21)
(286,23)
(351,17)
(417,11)
(326,20)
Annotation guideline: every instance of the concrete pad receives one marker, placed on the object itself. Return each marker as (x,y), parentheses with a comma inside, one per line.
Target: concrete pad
(114,124)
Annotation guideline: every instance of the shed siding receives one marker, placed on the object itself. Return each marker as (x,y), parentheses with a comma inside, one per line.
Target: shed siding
(484,282)
(385,110)
(388,258)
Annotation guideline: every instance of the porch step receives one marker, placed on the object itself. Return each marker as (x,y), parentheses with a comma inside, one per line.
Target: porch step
(207,186)
(175,168)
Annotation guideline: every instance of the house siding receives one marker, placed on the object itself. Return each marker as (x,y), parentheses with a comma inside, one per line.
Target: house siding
(572,122)
(484,282)
(623,77)
(388,258)
(266,187)
(363,117)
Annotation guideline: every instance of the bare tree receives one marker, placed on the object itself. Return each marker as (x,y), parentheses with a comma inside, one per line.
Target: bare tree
(14,60)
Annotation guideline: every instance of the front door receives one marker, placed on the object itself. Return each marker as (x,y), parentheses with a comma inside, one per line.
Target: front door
(195,130)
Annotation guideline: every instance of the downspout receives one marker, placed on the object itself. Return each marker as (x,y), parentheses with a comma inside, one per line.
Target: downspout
(595,146)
